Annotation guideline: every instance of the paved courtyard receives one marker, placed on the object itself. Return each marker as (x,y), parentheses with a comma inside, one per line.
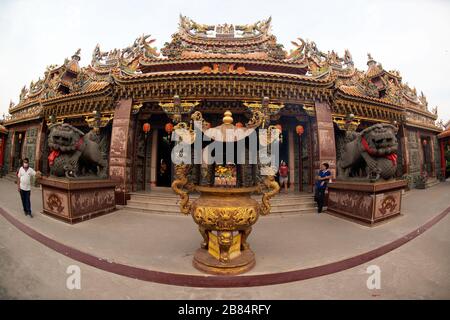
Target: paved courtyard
(419,269)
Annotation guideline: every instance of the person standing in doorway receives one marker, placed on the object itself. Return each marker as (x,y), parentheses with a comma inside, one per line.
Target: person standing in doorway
(24,175)
(321,185)
(283,172)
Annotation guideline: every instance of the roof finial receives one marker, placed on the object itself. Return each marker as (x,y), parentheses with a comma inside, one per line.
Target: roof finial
(370,60)
(76,55)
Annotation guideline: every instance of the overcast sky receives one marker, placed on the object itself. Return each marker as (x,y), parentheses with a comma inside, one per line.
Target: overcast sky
(411,36)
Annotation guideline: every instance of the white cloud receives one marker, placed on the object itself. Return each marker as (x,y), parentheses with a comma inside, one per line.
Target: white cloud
(411,36)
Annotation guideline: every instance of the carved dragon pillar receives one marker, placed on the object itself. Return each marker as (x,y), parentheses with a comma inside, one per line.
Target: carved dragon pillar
(121,149)
(325,137)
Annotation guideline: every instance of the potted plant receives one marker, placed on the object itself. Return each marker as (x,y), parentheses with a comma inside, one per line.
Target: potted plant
(409,180)
(422,180)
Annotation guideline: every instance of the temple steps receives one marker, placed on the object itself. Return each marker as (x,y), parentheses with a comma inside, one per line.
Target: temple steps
(166,202)
(431,182)
(10,176)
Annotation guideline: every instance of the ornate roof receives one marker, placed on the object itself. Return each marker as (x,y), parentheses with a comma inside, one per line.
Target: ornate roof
(195,40)
(223,52)
(66,79)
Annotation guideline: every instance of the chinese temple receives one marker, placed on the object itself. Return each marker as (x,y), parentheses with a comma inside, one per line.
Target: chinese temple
(134,95)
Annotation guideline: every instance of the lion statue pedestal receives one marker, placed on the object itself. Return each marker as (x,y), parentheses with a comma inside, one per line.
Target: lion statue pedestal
(366,202)
(78,188)
(74,201)
(366,189)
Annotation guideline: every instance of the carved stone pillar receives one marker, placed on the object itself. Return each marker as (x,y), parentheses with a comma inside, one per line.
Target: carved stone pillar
(291,159)
(433,162)
(121,149)
(325,137)
(154,158)
(405,150)
(40,139)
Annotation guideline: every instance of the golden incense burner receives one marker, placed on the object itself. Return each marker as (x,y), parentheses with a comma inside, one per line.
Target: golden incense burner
(225,216)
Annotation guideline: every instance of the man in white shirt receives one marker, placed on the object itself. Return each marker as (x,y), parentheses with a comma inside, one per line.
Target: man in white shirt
(24,175)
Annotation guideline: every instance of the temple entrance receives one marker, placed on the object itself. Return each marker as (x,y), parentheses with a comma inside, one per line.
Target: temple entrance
(284,147)
(427,158)
(164,161)
(18,146)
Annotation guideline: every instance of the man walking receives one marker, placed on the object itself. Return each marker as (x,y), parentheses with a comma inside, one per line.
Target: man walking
(321,185)
(24,175)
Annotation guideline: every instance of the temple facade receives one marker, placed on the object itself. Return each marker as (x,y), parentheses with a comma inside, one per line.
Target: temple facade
(133,95)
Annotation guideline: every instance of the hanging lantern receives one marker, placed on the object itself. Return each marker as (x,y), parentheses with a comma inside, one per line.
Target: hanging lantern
(239,125)
(299,129)
(169,128)
(146,128)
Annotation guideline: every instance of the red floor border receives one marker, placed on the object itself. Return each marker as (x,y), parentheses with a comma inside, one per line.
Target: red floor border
(219,281)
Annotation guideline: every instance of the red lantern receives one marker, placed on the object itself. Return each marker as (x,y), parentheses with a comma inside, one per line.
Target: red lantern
(299,129)
(169,127)
(239,125)
(146,127)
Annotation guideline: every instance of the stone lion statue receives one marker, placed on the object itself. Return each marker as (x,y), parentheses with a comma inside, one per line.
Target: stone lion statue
(74,153)
(372,151)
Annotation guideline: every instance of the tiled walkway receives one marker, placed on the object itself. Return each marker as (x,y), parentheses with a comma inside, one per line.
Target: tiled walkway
(166,243)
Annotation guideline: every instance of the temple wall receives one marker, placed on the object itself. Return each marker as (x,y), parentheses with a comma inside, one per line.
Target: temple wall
(30,147)
(437,157)
(415,153)
(7,153)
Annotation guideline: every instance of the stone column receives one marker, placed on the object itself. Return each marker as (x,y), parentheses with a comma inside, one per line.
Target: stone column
(291,159)
(433,165)
(11,153)
(121,148)
(325,138)
(405,150)
(443,161)
(39,143)
(154,158)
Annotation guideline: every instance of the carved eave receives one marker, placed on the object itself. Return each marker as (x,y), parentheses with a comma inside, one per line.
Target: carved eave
(146,63)
(444,134)
(372,109)
(424,113)
(30,111)
(366,99)
(422,125)
(3,129)
(80,103)
(197,85)
(248,75)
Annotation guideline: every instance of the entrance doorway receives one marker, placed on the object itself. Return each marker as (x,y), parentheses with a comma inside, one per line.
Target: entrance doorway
(427,157)
(19,137)
(164,164)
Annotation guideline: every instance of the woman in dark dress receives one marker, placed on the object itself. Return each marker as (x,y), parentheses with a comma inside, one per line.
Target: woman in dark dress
(321,185)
